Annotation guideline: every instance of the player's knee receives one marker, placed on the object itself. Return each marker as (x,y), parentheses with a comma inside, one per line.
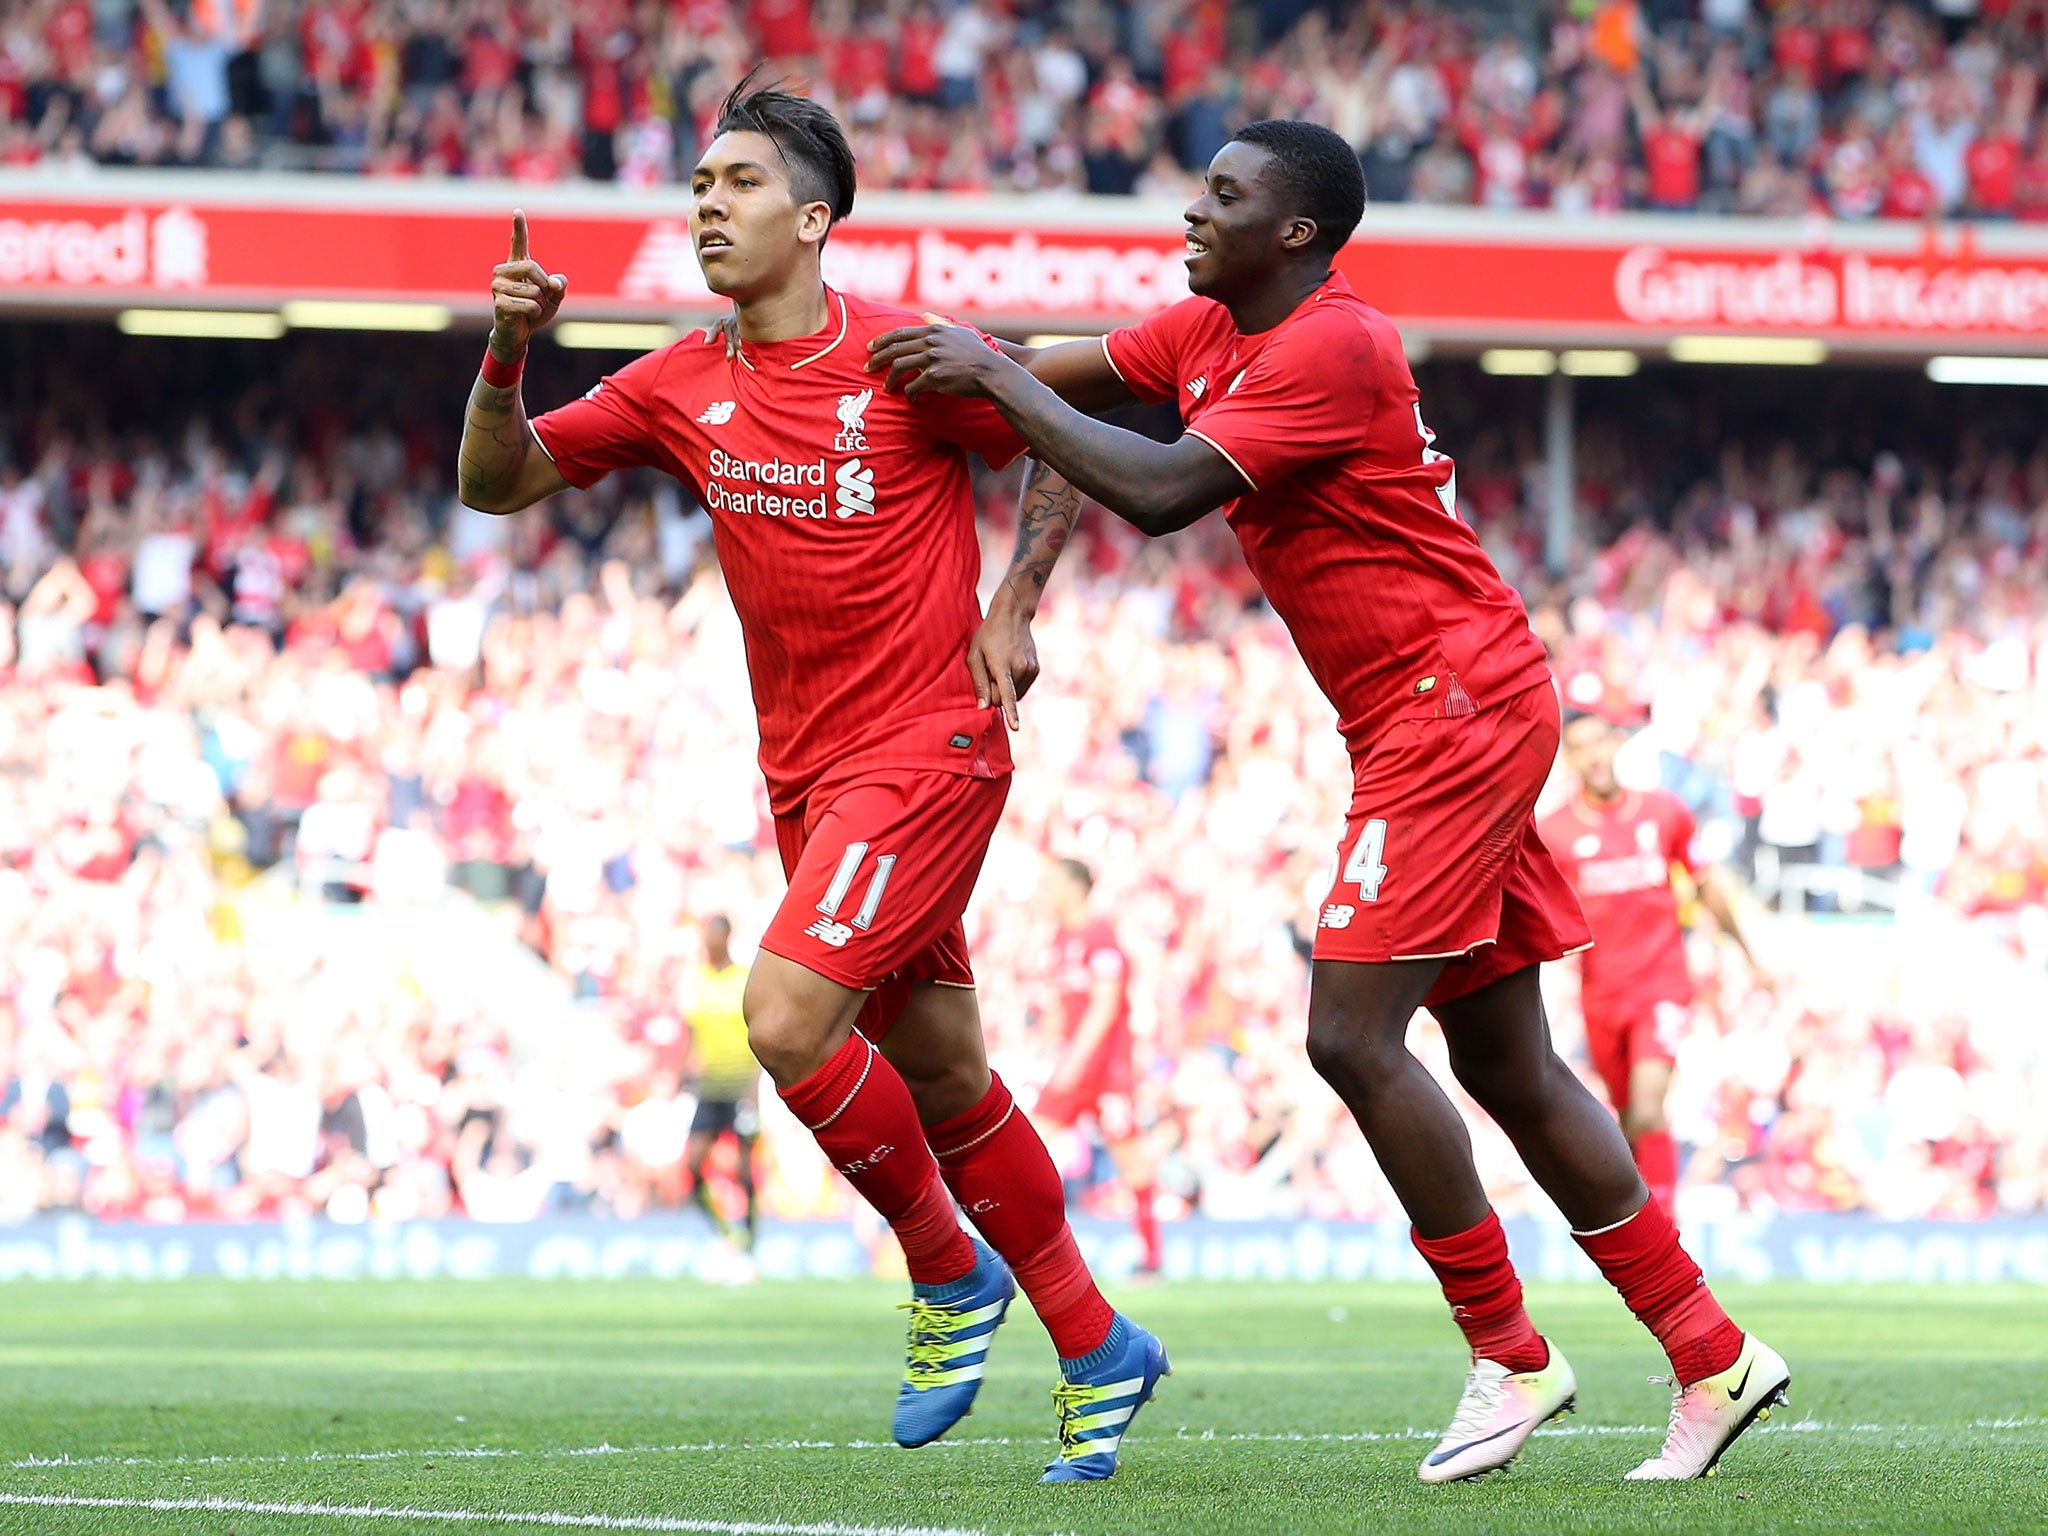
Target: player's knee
(943,1089)
(1343,1052)
(1507,1090)
(785,1037)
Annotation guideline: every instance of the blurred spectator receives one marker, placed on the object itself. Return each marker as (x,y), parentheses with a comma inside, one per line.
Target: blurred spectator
(1859,109)
(1840,648)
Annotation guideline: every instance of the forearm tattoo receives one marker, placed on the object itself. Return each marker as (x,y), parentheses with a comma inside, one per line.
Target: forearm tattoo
(1046,514)
(494,443)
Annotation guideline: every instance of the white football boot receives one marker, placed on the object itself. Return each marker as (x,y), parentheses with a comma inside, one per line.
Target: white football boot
(1708,1415)
(1499,1411)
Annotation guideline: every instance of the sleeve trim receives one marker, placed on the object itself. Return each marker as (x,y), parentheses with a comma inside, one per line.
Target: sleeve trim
(1248,480)
(1110,358)
(533,431)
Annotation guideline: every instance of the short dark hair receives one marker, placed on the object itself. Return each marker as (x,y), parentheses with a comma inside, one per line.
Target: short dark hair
(1079,873)
(812,144)
(1317,172)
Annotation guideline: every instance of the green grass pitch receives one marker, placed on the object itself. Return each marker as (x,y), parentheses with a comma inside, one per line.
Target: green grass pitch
(398,1406)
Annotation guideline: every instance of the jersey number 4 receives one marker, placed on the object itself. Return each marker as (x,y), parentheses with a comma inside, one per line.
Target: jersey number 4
(842,883)
(1365,866)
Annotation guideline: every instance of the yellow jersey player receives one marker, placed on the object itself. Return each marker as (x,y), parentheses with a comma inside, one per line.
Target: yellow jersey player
(727,1076)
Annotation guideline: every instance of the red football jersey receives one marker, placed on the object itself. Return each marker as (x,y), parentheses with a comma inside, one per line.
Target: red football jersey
(1350,522)
(1082,957)
(844,523)
(1618,858)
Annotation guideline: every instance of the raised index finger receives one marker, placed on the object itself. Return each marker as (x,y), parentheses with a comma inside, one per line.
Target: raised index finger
(518,234)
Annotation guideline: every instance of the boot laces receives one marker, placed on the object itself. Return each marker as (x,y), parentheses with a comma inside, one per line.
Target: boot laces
(1482,1399)
(932,1326)
(1071,1399)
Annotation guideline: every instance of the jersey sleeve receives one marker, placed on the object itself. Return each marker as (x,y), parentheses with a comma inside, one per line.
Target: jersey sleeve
(975,425)
(1147,356)
(1309,394)
(609,428)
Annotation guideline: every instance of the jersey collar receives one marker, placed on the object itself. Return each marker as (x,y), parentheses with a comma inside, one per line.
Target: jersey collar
(832,299)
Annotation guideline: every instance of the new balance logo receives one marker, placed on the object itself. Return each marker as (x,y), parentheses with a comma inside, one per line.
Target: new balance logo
(718,413)
(828,932)
(1337,915)
(856,489)
(1198,387)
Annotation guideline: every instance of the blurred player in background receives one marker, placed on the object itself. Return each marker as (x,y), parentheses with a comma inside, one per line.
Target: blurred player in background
(727,1077)
(1091,1085)
(844,525)
(1304,424)
(1618,847)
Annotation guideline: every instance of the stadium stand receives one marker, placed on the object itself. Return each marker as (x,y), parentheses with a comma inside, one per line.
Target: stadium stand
(1852,108)
(253,649)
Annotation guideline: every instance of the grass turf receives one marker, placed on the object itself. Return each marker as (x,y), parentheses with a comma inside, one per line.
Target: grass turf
(1299,1408)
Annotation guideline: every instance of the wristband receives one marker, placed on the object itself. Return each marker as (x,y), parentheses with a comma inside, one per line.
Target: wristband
(502,375)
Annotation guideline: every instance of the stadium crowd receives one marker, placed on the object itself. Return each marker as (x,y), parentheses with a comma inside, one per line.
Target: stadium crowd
(270,642)
(1854,108)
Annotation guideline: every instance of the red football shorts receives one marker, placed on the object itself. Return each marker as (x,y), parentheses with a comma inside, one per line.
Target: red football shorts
(1102,1093)
(1620,1034)
(1441,859)
(880,869)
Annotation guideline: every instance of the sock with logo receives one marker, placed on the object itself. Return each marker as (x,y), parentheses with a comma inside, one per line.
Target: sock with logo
(862,1114)
(1641,1258)
(1485,1294)
(1004,1179)
(1656,1157)
(1146,1219)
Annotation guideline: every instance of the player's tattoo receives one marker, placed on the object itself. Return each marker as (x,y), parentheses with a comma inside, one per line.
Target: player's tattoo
(1046,514)
(494,443)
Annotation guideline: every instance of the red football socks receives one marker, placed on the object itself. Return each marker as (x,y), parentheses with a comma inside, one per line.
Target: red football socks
(1657,1161)
(862,1114)
(1642,1259)
(1004,1179)
(1146,1219)
(1485,1294)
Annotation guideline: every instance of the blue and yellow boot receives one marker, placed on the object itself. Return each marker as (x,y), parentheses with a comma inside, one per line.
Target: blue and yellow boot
(951,1327)
(1099,1395)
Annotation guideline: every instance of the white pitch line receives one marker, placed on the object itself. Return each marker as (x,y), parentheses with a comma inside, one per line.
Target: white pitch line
(1181,1436)
(487,1517)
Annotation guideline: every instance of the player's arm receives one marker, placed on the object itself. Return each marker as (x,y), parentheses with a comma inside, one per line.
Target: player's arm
(1718,897)
(1156,487)
(1105,994)
(1077,371)
(1002,655)
(500,468)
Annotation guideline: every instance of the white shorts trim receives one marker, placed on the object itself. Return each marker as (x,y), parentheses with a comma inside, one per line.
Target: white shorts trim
(1449,954)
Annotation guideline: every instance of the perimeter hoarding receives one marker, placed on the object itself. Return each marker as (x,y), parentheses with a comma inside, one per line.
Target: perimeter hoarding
(118,240)
(1835,1249)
